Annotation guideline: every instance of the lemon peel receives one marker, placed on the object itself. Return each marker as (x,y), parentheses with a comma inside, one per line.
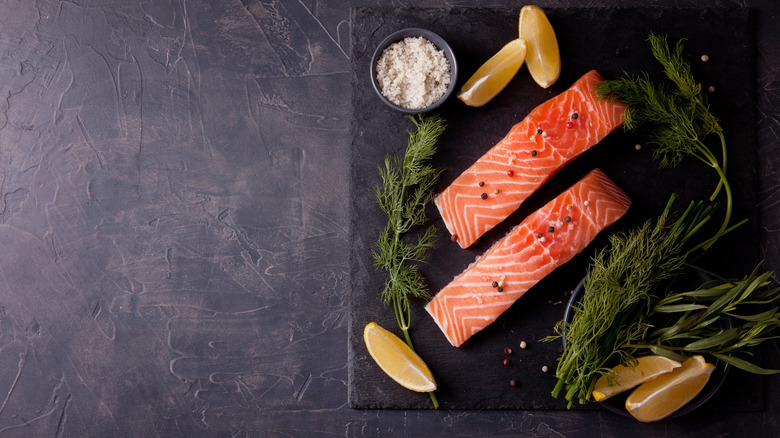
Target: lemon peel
(494,75)
(662,396)
(397,359)
(543,57)
(624,377)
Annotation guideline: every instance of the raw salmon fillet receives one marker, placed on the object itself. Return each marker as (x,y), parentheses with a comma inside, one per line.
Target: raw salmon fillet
(554,133)
(546,239)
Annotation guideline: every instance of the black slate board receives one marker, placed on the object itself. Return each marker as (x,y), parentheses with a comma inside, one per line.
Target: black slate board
(473,376)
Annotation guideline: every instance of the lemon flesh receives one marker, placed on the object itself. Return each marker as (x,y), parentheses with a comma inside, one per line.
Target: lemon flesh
(664,395)
(542,57)
(494,74)
(624,377)
(397,359)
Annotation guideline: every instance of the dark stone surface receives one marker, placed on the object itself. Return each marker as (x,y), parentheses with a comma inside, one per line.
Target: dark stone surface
(473,376)
(174,225)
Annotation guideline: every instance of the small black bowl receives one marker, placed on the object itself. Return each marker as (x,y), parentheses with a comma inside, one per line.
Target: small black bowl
(617,403)
(439,42)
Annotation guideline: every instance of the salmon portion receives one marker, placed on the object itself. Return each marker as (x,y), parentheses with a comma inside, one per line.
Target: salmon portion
(554,133)
(546,239)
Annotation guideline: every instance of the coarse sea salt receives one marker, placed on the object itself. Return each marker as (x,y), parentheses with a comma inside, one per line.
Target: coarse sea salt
(413,73)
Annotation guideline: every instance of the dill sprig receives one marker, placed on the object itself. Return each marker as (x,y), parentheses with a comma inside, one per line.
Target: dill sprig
(406,189)
(675,120)
(618,290)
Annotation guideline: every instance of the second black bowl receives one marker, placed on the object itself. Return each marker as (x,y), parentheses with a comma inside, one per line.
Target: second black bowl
(617,403)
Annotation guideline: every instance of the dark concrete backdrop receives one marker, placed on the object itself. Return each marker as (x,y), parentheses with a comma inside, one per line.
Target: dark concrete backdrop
(174,221)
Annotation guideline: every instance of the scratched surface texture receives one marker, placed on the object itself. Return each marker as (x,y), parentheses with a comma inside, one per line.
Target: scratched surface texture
(174,218)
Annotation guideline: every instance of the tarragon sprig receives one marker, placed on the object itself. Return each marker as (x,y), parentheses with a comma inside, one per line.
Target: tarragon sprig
(717,318)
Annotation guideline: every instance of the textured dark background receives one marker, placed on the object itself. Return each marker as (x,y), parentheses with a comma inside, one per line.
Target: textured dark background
(174,225)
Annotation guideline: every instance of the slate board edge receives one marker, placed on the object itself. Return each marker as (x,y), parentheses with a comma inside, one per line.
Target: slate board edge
(353,397)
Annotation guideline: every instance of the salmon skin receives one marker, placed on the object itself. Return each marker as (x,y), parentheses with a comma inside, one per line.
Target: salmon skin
(546,239)
(554,133)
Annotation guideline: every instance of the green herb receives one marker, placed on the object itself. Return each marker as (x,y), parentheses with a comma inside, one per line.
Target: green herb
(626,287)
(717,319)
(619,288)
(406,190)
(677,121)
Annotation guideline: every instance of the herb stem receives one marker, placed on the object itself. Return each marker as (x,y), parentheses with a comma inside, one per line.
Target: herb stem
(723,165)
(708,158)
(729,202)
(648,346)
(404,322)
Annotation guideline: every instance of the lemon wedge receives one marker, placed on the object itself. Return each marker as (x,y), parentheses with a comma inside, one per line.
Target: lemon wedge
(662,396)
(494,74)
(625,378)
(542,56)
(397,359)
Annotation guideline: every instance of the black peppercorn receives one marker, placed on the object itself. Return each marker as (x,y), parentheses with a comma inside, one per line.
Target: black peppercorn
(551,229)
(483,196)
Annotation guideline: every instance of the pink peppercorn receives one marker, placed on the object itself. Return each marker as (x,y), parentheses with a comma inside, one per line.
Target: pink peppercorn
(510,173)
(569,125)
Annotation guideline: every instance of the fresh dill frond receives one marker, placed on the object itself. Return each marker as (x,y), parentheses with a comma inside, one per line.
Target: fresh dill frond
(404,193)
(406,189)
(676,120)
